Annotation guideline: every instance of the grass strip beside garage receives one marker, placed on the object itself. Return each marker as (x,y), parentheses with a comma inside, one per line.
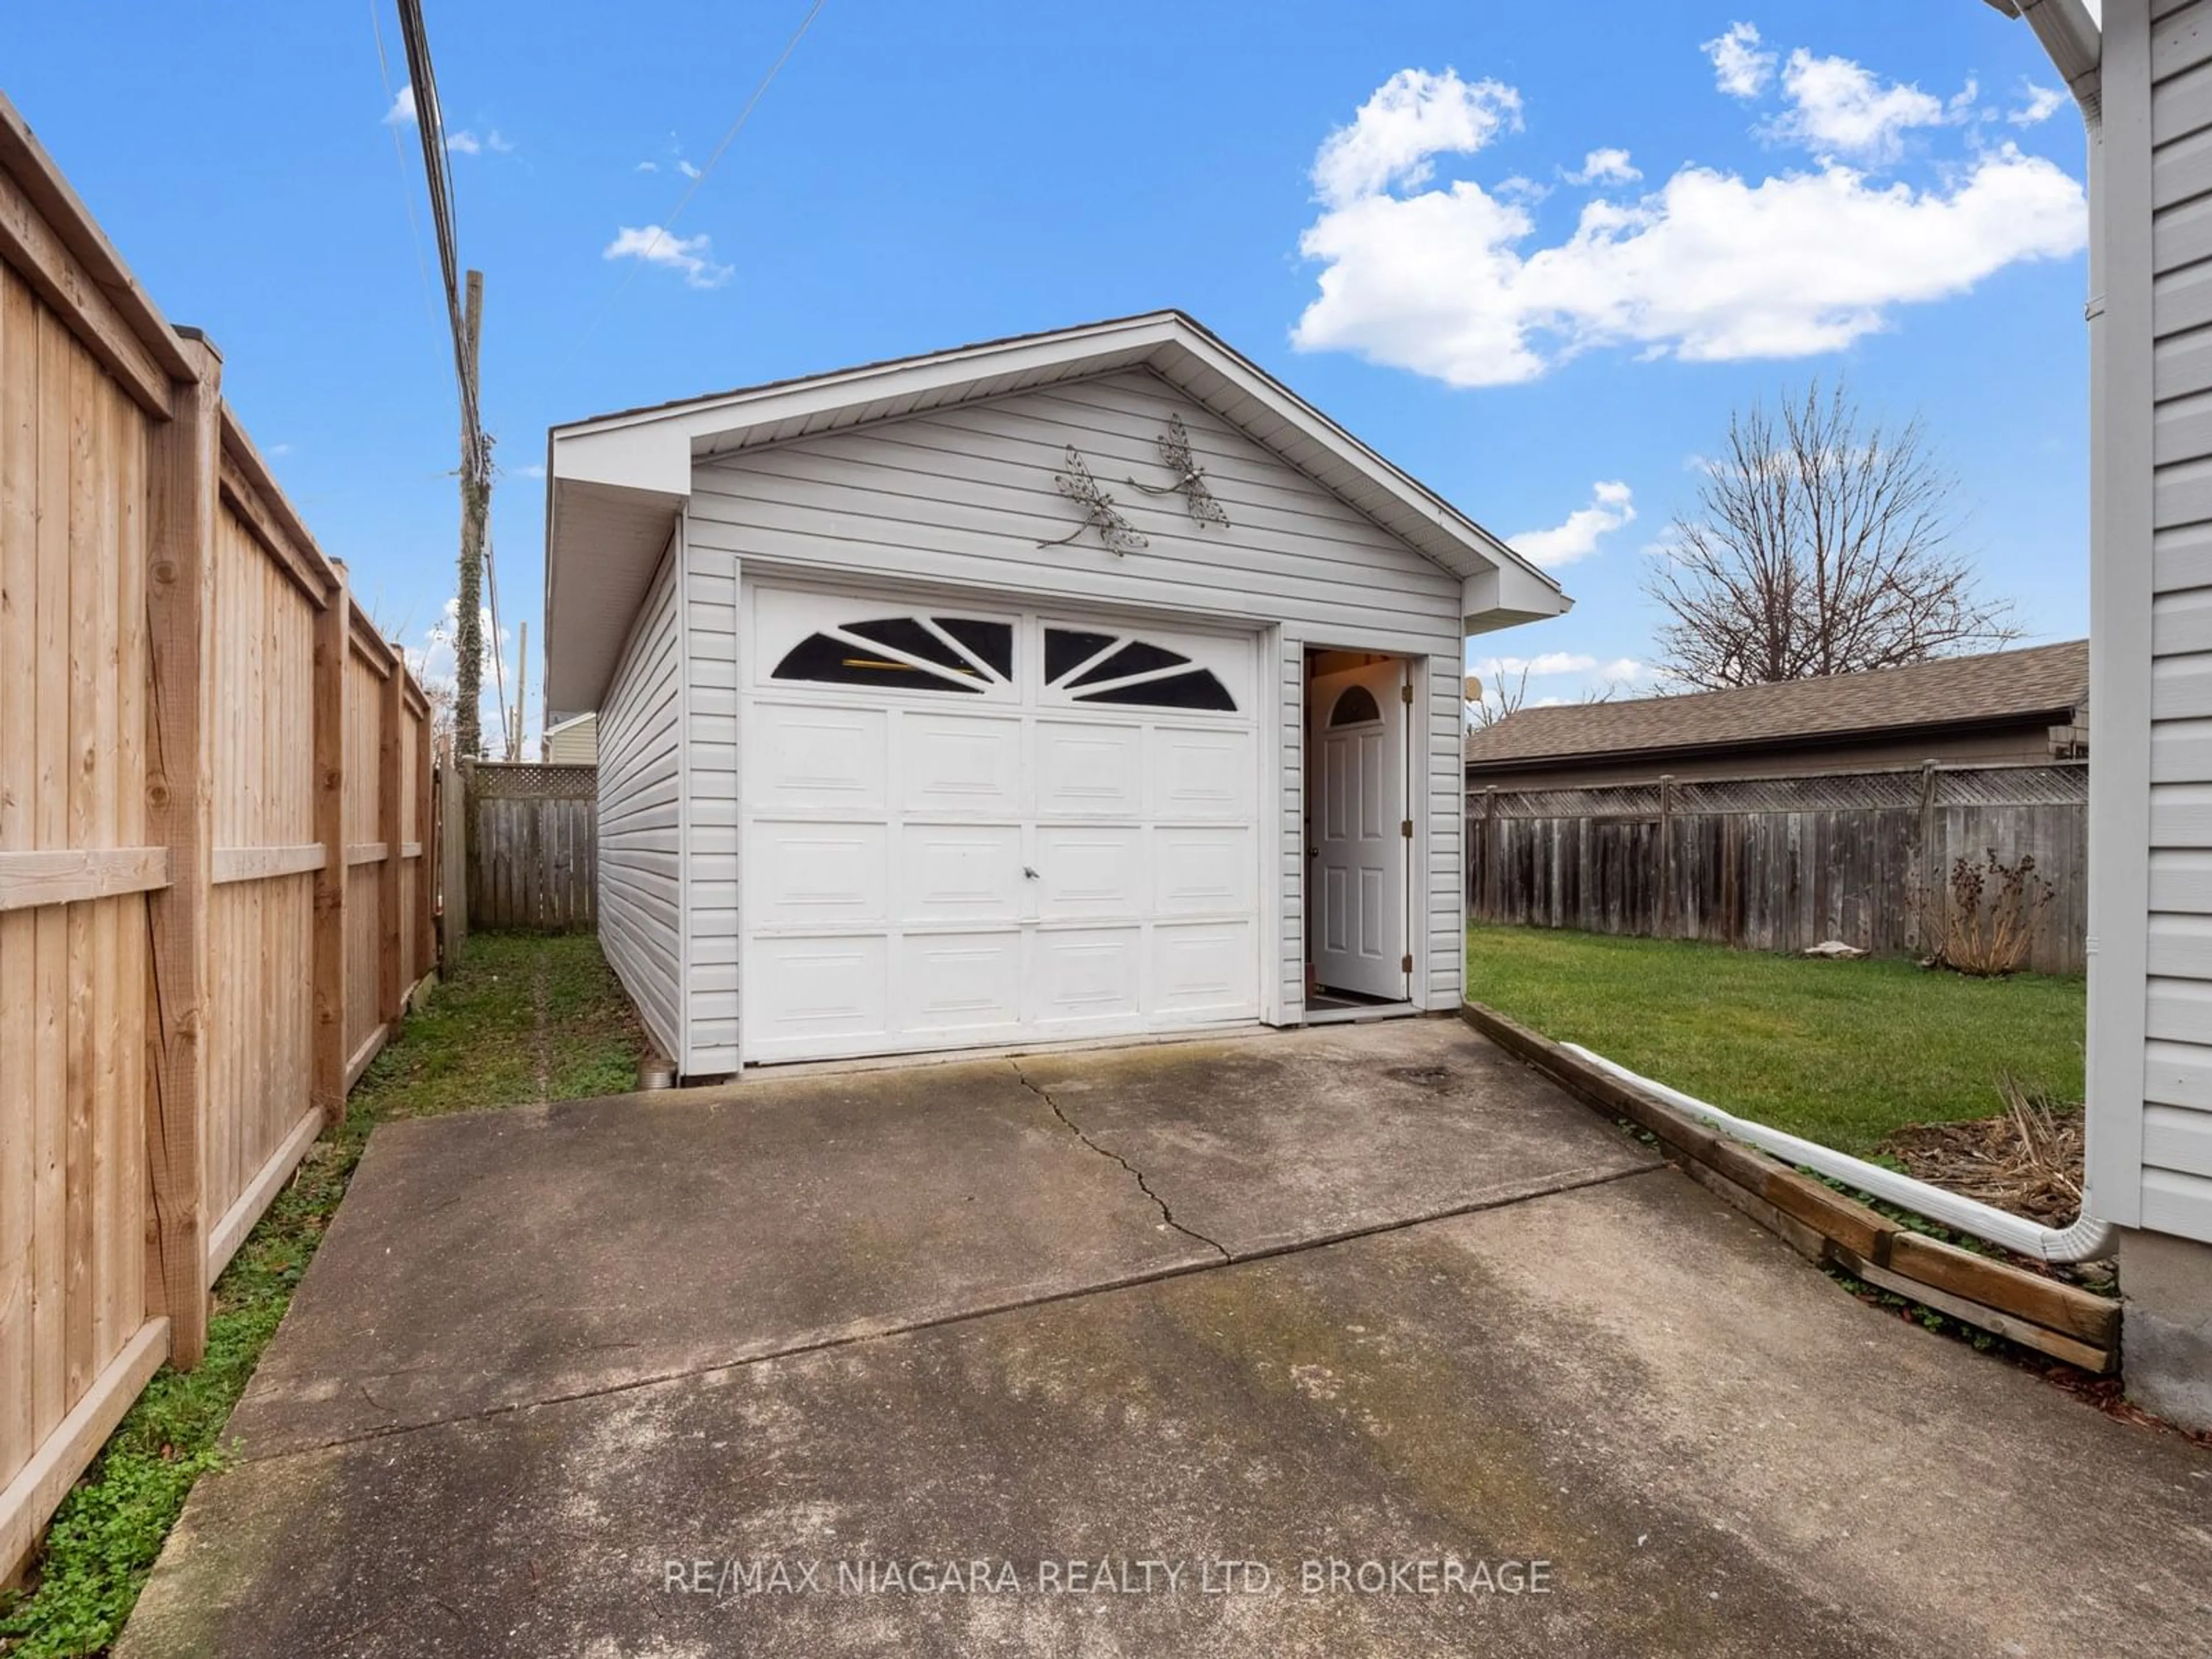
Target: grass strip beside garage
(1843,1053)
(525,1018)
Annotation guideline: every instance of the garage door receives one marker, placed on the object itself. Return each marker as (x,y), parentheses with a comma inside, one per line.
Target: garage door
(965,825)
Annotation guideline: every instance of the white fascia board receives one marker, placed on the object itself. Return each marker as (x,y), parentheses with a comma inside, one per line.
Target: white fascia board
(1507,595)
(655,459)
(703,420)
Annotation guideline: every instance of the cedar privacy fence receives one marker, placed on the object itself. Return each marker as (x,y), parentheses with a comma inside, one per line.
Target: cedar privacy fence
(532,861)
(215,790)
(1781,864)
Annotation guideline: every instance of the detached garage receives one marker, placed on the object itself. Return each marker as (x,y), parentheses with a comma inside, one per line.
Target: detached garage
(1083,684)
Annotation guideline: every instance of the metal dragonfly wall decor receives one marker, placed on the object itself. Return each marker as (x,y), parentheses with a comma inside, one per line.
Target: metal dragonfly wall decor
(1099,512)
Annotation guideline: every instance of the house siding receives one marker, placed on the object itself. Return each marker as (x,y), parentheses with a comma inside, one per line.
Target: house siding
(2175,1129)
(965,495)
(710,771)
(640,899)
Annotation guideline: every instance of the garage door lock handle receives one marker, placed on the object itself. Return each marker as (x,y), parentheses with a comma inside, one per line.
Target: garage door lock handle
(1028,871)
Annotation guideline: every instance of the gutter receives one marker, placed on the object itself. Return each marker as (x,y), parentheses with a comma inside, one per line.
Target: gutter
(2075,44)
(2086,1240)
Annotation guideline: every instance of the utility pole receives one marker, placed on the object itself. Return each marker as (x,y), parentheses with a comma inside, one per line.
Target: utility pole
(521,692)
(476,507)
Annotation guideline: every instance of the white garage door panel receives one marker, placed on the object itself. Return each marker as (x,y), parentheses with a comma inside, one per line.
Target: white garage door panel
(1089,771)
(830,758)
(1089,975)
(939,857)
(960,872)
(1090,871)
(806,872)
(1202,871)
(1202,969)
(959,981)
(1202,774)
(959,763)
(807,995)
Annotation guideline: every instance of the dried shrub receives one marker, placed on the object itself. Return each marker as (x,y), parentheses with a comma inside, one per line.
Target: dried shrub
(1983,923)
(2026,1159)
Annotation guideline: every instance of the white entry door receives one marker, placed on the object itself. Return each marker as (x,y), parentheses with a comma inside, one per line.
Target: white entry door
(963,825)
(1360,830)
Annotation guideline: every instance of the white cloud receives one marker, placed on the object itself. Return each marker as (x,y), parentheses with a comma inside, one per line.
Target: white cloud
(648,166)
(686,168)
(1540,667)
(691,255)
(1606,167)
(2043,103)
(1837,108)
(402,113)
(1612,505)
(1708,266)
(1413,117)
(1740,68)
(465,143)
(1621,671)
(531,470)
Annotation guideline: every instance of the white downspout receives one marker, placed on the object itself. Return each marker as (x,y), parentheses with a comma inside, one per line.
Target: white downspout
(2086,1240)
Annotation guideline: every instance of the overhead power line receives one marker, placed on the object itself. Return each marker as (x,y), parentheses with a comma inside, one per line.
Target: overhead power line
(668,225)
(437,173)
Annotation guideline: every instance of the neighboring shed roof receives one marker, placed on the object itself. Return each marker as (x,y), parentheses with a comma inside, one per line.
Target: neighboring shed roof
(2002,686)
(614,481)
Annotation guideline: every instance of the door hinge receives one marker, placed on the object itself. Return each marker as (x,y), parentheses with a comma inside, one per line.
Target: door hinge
(1405,694)
(1406,828)
(1406,964)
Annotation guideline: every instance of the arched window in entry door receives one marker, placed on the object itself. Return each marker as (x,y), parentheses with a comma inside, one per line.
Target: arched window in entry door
(1356,706)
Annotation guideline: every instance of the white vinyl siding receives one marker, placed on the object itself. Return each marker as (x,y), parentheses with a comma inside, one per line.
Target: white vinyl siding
(965,495)
(641,815)
(710,772)
(2176,1193)
(1291,742)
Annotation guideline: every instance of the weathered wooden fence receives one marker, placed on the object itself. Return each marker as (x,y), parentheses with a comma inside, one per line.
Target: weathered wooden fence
(1779,864)
(214,792)
(532,845)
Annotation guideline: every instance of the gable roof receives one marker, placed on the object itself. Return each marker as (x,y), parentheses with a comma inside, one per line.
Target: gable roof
(614,481)
(2047,681)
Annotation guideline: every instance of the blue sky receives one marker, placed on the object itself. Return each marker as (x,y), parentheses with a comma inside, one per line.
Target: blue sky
(1404,212)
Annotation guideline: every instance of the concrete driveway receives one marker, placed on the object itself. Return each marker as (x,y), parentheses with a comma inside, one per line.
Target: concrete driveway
(1360,1340)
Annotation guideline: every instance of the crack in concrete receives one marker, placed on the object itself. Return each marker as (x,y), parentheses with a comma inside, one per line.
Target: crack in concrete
(1135,1174)
(857,1338)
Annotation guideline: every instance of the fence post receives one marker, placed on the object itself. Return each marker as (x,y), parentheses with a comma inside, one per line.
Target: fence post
(333,630)
(1928,909)
(452,867)
(426,857)
(1667,855)
(391,979)
(184,458)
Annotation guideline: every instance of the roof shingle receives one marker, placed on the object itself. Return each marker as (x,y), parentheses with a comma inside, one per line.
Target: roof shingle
(1949,690)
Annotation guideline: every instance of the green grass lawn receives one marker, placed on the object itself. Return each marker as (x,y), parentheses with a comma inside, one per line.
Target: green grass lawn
(523,1018)
(1841,1053)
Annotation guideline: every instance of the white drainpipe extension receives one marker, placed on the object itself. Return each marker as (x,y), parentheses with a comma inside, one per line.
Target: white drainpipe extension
(2086,1240)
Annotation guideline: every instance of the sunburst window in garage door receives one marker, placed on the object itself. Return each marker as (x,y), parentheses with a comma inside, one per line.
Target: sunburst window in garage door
(1115,668)
(910,654)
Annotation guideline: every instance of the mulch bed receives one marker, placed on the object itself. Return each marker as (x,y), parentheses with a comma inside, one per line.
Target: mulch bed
(2026,1159)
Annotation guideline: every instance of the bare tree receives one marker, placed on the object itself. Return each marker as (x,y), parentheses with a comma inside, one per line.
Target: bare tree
(1822,544)
(1512,694)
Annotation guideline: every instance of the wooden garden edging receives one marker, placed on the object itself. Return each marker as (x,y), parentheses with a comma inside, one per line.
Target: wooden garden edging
(214,802)
(1830,1229)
